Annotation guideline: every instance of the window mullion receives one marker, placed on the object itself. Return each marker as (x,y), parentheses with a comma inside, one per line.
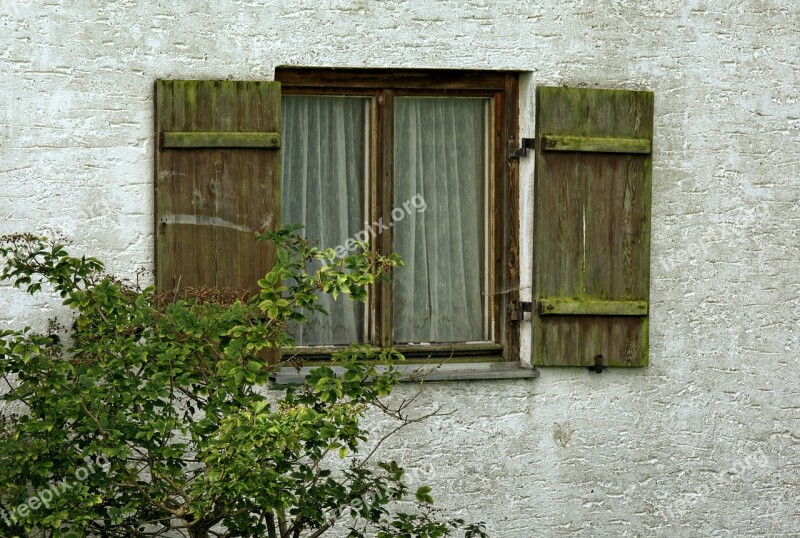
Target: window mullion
(384,190)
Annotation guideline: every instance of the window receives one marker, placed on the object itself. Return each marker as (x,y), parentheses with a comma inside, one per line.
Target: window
(413,162)
(423,163)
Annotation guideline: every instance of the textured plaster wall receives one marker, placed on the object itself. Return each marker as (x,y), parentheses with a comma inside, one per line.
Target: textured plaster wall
(704,442)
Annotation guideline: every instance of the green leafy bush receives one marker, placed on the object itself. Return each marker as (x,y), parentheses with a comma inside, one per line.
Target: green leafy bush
(151,418)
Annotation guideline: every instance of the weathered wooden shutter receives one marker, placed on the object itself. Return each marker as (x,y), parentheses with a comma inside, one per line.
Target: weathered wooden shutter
(592,227)
(217,181)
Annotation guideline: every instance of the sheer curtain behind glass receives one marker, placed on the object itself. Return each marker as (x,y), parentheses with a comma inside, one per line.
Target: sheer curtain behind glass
(324,155)
(440,154)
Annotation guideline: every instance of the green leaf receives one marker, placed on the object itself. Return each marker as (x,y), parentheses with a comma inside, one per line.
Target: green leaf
(423,495)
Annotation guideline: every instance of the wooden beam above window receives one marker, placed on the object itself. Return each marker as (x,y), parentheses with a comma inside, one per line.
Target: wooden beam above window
(397,79)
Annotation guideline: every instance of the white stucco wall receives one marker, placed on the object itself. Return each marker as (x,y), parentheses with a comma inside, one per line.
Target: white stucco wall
(704,442)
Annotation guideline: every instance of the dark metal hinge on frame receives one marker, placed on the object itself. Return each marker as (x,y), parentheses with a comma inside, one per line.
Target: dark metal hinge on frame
(527,143)
(517,310)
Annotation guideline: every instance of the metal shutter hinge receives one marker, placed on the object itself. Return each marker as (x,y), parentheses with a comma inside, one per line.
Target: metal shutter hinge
(517,310)
(527,143)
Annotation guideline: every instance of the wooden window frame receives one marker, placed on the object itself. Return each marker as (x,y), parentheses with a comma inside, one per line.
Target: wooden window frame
(383,85)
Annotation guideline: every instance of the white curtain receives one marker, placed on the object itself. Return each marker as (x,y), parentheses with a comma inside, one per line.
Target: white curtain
(324,156)
(440,155)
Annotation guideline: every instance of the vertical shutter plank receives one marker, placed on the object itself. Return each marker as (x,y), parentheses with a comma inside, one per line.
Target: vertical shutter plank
(211,202)
(592,225)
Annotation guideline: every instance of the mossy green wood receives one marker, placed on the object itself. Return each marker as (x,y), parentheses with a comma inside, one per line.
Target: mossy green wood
(214,190)
(596,144)
(178,139)
(591,251)
(576,307)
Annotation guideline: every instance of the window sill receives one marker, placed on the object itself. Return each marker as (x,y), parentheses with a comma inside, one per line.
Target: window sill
(429,371)
(461,352)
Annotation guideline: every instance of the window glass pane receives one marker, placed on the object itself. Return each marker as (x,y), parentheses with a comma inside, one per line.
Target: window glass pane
(324,157)
(440,156)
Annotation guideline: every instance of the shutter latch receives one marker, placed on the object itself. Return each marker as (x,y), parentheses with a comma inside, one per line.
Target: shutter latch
(527,143)
(599,365)
(517,310)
